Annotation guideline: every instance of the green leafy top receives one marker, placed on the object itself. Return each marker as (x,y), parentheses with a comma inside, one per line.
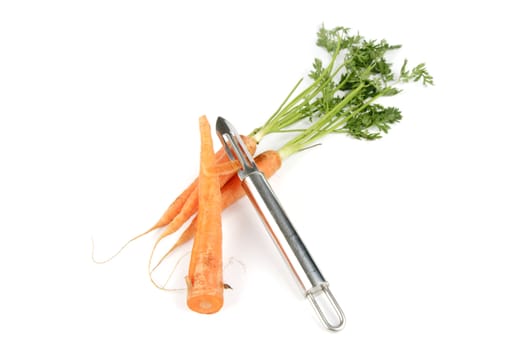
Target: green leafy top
(342,95)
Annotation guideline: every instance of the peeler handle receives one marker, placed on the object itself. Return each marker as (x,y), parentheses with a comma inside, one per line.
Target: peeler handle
(279,226)
(295,253)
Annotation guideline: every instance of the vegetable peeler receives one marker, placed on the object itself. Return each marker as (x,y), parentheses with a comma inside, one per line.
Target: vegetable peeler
(281,230)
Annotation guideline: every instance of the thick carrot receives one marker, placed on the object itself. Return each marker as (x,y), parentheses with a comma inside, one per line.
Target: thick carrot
(204,280)
(268,162)
(224,168)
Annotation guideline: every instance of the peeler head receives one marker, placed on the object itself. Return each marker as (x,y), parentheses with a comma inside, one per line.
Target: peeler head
(234,145)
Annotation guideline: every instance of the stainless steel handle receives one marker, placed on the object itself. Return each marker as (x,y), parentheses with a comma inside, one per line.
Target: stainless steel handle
(295,253)
(279,227)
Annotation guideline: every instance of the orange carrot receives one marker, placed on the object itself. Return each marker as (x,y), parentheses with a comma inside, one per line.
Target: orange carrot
(222,165)
(268,162)
(190,206)
(204,280)
(178,203)
(226,170)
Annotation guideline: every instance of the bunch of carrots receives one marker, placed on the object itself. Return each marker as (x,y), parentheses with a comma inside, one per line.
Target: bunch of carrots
(215,189)
(342,97)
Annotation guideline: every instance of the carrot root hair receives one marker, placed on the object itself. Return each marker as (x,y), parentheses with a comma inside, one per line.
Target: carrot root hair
(118,251)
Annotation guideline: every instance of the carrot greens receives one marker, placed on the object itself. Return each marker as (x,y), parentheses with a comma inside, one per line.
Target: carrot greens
(342,96)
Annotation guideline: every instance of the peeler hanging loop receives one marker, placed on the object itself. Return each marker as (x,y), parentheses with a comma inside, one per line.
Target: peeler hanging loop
(321,311)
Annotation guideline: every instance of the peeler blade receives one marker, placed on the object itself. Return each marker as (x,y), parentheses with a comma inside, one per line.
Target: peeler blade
(234,145)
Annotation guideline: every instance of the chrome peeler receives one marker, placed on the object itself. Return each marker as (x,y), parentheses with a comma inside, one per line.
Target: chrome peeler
(281,230)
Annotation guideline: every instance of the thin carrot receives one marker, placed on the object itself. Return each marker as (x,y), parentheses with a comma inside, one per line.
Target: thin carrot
(204,280)
(268,162)
(190,206)
(222,165)
(176,206)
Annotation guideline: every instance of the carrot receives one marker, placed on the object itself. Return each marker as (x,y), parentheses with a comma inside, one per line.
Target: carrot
(190,207)
(186,202)
(176,206)
(226,169)
(221,165)
(268,162)
(204,280)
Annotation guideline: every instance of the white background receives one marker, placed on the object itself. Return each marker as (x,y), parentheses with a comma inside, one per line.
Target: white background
(420,234)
